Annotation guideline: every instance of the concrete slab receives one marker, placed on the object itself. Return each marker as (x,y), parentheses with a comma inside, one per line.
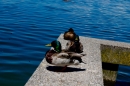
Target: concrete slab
(89,74)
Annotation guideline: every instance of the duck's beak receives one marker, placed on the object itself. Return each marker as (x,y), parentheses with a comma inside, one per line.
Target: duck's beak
(49,45)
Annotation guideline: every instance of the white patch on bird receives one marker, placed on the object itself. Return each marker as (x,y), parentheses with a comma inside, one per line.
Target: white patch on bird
(76,62)
(67,45)
(61,61)
(77,55)
(62,55)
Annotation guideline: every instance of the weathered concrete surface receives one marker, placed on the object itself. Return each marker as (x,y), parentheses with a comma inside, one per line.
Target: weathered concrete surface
(89,74)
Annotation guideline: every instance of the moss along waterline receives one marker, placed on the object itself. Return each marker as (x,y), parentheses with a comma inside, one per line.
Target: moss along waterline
(114,55)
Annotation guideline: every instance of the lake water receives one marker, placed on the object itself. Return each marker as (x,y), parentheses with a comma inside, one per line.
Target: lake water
(27,25)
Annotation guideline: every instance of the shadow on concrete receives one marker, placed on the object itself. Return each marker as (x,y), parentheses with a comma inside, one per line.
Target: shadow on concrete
(68,69)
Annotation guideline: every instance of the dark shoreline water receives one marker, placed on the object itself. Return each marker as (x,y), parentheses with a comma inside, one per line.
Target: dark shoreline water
(27,25)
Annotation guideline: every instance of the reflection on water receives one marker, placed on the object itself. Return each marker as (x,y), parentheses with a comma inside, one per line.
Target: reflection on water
(123,76)
(27,25)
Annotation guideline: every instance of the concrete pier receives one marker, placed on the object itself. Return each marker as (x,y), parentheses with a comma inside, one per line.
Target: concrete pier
(89,74)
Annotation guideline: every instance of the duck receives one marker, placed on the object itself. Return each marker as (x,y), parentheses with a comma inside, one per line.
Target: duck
(73,44)
(58,57)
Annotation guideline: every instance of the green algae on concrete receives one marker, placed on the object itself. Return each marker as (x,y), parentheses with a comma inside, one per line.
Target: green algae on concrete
(115,54)
(109,77)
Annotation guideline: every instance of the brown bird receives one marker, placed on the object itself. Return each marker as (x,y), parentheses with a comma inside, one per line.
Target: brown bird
(73,44)
(58,57)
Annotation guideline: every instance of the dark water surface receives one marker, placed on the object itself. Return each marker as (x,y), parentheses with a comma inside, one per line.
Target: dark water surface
(27,25)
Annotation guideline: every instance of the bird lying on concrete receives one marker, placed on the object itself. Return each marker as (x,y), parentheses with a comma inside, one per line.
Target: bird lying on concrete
(59,57)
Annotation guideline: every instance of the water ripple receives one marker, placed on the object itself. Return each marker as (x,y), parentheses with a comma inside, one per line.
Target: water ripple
(28,25)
